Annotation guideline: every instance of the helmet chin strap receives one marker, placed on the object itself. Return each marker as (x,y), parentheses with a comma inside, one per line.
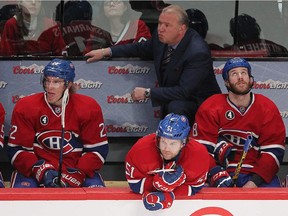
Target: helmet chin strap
(64,95)
(64,92)
(63,106)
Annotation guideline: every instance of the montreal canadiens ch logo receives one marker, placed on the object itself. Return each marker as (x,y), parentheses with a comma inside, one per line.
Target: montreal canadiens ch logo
(52,140)
(230,115)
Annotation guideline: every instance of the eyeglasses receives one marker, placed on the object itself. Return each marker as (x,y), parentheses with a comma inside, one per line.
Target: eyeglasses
(114,2)
(52,83)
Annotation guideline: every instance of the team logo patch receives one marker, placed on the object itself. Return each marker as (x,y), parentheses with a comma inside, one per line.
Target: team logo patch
(230,115)
(52,140)
(44,120)
(57,110)
(242,109)
(237,137)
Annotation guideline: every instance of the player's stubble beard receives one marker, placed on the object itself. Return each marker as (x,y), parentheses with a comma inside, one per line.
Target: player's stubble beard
(233,87)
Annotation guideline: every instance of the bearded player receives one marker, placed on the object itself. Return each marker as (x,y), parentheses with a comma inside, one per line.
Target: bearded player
(36,135)
(2,118)
(224,122)
(166,164)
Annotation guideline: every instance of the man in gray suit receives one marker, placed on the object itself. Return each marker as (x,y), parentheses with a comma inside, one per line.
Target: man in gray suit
(185,75)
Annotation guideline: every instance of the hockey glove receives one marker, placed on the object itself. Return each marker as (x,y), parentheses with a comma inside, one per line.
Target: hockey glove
(218,177)
(168,181)
(1,181)
(158,200)
(222,151)
(73,177)
(45,173)
(50,179)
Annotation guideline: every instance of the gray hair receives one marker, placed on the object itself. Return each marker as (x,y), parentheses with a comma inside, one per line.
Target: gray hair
(179,11)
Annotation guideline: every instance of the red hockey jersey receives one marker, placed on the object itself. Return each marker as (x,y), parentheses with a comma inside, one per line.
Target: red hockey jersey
(219,119)
(145,157)
(81,33)
(48,41)
(36,134)
(270,47)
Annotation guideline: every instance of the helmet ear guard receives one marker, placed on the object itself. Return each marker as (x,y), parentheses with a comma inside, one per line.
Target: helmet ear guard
(174,126)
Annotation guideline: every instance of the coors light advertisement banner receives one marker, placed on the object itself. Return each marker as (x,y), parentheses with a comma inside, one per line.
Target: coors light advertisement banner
(110,83)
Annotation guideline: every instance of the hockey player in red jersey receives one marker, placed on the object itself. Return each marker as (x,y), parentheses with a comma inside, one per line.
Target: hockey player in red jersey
(35,138)
(78,30)
(224,122)
(31,33)
(2,118)
(166,164)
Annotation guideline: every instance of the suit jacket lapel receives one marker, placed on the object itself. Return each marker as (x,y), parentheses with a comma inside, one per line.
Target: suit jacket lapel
(177,56)
(157,61)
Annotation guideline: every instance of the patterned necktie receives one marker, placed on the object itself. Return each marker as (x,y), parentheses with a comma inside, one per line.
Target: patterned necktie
(168,55)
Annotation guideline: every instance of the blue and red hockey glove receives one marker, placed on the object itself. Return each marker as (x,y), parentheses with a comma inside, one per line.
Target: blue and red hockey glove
(73,177)
(168,181)
(45,173)
(223,150)
(158,200)
(219,177)
(1,181)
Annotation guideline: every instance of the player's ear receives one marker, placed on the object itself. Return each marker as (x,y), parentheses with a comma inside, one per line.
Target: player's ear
(70,84)
(226,83)
(251,80)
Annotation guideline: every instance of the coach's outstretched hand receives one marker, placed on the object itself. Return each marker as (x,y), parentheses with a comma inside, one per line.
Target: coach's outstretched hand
(158,200)
(94,55)
(97,54)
